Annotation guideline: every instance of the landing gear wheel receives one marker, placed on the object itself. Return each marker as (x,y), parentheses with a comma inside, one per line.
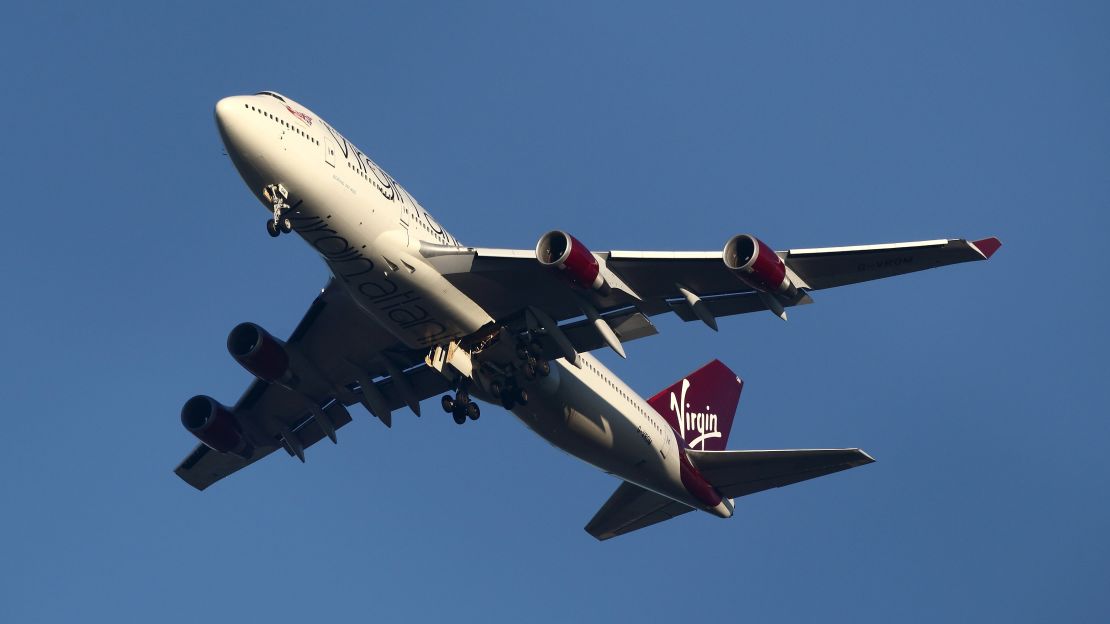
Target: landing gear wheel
(447,403)
(459,415)
(507,399)
(275,195)
(461,397)
(521,396)
(495,389)
(543,368)
(473,411)
(528,371)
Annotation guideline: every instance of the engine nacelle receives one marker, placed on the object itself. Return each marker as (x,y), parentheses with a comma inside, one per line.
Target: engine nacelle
(261,354)
(560,250)
(215,426)
(758,265)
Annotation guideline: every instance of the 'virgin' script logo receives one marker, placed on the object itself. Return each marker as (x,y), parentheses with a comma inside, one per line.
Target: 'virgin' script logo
(704,423)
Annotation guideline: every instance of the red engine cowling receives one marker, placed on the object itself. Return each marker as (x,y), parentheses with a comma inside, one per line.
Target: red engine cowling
(560,250)
(215,426)
(260,353)
(758,265)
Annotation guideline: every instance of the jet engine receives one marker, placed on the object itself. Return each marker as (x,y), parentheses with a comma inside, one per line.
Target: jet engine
(215,426)
(758,266)
(560,250)
(261,354)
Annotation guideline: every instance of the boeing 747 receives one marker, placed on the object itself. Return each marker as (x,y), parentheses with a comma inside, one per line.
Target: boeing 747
(410,313)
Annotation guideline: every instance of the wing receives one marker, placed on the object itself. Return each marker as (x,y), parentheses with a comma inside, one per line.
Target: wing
(630,508)
(342,344)
(506,281)
(739,473)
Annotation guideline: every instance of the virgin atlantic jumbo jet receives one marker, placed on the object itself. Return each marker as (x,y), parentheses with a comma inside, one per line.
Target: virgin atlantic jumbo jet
(410,313)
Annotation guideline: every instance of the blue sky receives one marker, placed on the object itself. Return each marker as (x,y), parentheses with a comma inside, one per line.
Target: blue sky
(132,248)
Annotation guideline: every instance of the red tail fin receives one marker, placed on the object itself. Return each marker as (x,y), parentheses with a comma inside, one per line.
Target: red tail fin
(701,406)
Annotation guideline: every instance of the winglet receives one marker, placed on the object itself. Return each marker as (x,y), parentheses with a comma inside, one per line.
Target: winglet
(987,246)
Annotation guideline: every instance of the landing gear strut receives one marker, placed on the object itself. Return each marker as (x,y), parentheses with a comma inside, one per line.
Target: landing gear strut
(276,194)
(460,407)
(534,364)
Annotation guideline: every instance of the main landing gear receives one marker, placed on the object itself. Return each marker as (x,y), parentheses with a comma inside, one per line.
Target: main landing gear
(500,366)
(460,406)
(532,366)
(276,195)
(510,395)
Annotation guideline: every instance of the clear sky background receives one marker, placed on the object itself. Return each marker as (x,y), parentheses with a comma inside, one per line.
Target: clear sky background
(132,247)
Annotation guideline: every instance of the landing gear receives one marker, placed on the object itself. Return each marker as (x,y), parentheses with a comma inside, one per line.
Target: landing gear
(528,348)
(460,407)
(534,364)
(498,365)
(276,195)
(513,396)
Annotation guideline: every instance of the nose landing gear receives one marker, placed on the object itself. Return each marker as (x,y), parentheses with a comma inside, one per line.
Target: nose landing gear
(276,194)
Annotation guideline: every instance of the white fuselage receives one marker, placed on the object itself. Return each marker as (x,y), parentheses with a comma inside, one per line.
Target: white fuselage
(369,230)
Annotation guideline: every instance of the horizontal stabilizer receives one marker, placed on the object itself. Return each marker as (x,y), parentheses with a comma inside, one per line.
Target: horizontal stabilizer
(732,473)
(632,507)
(739,473)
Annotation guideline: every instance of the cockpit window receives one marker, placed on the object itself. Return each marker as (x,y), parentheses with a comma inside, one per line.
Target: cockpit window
(271,94)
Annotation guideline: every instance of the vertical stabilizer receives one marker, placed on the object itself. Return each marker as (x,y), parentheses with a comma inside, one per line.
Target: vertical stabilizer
(701,406)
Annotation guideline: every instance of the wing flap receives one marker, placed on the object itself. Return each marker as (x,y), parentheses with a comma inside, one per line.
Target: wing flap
(728,305)
(630,508)
(628,325)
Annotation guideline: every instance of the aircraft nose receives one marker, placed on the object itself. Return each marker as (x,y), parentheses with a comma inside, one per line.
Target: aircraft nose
(229,119)
(224,113)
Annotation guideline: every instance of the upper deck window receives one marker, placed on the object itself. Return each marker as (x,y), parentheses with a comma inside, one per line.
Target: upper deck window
(271,94)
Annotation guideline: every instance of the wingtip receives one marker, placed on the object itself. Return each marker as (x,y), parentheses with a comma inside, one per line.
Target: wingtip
(987,246)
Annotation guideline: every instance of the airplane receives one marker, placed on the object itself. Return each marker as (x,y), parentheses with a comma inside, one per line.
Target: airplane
(409,312)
